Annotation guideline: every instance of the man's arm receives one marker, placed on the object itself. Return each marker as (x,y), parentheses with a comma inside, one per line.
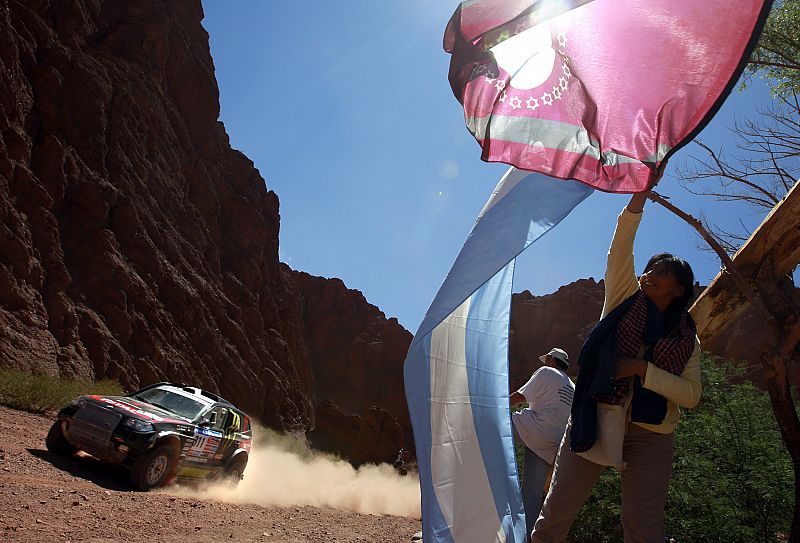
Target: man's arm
(516,398)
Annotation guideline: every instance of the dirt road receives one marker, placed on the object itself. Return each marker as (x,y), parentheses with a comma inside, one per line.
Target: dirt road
(46,498)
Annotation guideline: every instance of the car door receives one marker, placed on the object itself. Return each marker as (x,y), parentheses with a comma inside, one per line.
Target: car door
(230,437)
(202,457)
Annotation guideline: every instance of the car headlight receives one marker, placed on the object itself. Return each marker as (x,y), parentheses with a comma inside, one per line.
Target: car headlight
(139,425)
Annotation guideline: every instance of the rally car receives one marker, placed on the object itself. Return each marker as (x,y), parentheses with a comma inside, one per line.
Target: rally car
(161,433)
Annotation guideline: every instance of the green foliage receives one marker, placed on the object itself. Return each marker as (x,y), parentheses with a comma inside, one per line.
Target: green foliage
(732,476)
(777,56)
(600,519)
(519,447)
(40,393)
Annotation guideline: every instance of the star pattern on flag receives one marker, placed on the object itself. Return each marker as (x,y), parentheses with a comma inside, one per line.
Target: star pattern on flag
(514,98)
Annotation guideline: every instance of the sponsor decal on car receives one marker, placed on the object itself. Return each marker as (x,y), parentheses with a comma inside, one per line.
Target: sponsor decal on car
(208,432)
(198,459)
(133,410)
(203,447)
(203,452)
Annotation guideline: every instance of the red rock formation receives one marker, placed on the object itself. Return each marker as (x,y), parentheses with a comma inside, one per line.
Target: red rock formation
(562,319)
(136,243)
(357,362)
(376,436)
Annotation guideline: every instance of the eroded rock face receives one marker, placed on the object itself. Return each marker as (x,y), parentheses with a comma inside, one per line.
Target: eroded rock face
(373,437)
(136,244)
(357,362)
(562,319)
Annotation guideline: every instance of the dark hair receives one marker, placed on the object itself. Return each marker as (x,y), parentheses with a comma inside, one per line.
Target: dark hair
(685,277)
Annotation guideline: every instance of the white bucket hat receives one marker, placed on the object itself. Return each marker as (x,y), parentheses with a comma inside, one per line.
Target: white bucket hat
(558,354)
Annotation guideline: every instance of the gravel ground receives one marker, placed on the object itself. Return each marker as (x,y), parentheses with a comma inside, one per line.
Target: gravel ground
(47,498)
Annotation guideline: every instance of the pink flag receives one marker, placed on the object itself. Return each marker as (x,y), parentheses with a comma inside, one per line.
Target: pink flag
(600,91)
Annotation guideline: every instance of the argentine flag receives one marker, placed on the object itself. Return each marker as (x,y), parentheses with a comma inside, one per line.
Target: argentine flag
(456,370)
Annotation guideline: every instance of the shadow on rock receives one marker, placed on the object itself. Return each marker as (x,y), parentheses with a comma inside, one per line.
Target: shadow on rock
(89,468)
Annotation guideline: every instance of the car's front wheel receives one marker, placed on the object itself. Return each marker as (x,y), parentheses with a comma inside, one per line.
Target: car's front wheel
(235,470)
(57,443)
(153,468)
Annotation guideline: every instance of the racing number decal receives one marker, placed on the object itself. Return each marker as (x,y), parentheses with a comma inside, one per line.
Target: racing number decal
(205,445)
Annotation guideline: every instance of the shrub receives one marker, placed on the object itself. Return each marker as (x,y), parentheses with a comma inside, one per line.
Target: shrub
(39,393)
(732,478)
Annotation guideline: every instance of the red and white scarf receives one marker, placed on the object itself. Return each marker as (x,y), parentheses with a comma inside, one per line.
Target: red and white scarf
(670,353)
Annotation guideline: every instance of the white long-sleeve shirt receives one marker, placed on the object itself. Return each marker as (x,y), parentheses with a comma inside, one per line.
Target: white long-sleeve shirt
(621,282)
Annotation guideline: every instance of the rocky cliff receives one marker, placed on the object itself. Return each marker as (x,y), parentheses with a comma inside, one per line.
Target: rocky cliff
(137,245)
(357,362)
(561,319)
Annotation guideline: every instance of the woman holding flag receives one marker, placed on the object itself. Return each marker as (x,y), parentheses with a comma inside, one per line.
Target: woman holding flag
(640,362)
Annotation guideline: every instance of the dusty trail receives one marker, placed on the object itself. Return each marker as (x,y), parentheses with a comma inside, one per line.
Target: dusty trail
(44,498)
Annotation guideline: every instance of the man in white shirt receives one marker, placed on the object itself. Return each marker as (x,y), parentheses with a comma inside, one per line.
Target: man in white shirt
(541,425)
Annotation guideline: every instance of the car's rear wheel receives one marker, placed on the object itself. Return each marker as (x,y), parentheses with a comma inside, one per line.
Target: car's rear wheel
(153,468)
(57,443)
(235,470)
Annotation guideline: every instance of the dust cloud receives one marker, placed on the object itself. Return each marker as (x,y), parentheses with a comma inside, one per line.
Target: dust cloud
(283,471)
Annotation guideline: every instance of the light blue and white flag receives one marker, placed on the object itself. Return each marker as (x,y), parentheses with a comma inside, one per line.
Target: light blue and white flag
(456,370)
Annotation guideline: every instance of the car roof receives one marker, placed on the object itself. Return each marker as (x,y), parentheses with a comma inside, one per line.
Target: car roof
(196,393)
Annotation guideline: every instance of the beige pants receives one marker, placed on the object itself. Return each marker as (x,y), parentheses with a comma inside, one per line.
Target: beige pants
(645,482)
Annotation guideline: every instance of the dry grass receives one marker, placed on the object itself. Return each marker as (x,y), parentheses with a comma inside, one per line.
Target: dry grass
(38,393)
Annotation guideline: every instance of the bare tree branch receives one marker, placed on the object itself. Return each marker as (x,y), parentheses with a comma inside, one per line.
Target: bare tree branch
(765,166)
(776,64)
(727,264)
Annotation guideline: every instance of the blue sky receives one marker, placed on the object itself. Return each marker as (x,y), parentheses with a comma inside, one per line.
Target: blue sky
(346,111)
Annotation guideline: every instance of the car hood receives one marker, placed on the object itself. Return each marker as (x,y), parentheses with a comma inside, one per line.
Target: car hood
(136,408)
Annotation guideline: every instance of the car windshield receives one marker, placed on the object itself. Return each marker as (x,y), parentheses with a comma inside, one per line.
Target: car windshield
(166,399)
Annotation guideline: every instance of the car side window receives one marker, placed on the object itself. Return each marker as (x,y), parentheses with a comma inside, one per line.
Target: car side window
(219,415)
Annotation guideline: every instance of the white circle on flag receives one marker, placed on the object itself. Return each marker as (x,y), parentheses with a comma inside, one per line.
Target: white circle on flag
(528,57)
